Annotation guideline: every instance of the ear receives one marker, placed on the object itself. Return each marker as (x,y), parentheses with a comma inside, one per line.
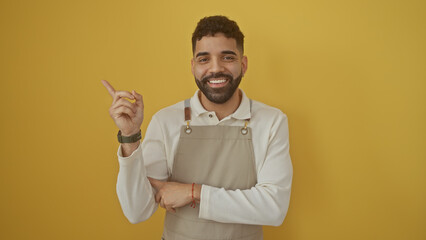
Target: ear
(192,66)
(244,65)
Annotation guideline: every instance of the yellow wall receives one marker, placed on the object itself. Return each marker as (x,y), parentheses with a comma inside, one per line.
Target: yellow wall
(351,76)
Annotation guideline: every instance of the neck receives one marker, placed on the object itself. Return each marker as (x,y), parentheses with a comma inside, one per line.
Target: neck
(224,109)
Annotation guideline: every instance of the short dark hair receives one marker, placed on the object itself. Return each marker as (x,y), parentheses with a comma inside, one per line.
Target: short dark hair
(209,26)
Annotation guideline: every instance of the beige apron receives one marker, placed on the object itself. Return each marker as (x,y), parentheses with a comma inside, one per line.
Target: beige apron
(218,156)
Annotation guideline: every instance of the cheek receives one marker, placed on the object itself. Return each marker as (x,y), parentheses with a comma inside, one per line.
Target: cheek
(199,72)
(236,70)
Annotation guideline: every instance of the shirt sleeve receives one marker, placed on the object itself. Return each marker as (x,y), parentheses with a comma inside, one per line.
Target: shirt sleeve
(134,191)
(267,202)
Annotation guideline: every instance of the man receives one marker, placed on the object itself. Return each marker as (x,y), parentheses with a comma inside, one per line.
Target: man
(218,162)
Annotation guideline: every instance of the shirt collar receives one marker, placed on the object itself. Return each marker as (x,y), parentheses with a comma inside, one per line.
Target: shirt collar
(242,112)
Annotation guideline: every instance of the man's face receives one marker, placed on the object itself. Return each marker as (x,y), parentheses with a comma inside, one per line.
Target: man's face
(218,67)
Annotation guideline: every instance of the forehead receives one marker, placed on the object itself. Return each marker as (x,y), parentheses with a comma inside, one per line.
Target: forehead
(216,44)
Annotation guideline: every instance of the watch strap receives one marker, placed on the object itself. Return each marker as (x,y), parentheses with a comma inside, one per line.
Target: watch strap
(129,139)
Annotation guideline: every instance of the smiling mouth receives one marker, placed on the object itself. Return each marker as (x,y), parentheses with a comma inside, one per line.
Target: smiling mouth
(217,83)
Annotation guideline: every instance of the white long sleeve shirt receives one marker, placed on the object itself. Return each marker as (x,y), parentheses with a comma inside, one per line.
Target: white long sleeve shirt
(264,204)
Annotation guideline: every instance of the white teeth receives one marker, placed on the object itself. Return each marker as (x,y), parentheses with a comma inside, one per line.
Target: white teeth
(217,81)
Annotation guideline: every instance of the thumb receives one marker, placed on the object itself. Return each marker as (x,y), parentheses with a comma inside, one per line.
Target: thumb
(138,97)
(157,184)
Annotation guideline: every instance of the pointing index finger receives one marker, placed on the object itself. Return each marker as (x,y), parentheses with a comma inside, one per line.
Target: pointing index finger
(108,86)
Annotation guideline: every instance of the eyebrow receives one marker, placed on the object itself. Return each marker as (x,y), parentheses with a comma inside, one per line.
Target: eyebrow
(229,52)
(202,54)
(223,52)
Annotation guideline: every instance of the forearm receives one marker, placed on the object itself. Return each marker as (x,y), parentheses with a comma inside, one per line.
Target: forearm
(133,188)
(261,205)
(128,148)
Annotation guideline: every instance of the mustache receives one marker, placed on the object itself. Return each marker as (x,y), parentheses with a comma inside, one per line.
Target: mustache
(217,75)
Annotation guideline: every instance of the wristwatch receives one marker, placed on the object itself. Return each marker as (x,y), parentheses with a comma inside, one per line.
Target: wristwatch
(129,139)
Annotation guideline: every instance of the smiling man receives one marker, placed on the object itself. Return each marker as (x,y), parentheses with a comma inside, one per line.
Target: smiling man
(218,162)
(218,67)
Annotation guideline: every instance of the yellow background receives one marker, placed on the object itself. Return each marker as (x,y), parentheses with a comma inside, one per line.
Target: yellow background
(350,75)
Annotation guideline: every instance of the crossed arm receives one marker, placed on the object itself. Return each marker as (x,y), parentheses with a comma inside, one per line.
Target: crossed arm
(264,204)
(172,195)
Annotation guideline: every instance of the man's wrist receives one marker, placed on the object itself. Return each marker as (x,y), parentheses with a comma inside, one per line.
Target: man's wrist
(123,138)
(197,192)
(128,148)
(130,133)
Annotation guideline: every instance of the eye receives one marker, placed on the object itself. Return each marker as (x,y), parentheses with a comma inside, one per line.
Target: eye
(229,58)
(201,60)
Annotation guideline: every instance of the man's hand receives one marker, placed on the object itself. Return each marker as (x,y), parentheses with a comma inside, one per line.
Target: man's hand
(127,116)
(172,195)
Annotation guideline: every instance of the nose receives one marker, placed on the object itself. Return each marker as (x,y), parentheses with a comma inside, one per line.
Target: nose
(216,66)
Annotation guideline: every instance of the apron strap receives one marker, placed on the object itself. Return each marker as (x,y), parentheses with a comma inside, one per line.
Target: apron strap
(187,110)
(251,103)
(188,129)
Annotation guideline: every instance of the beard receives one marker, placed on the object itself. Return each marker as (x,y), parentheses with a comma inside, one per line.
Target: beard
(219,95)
